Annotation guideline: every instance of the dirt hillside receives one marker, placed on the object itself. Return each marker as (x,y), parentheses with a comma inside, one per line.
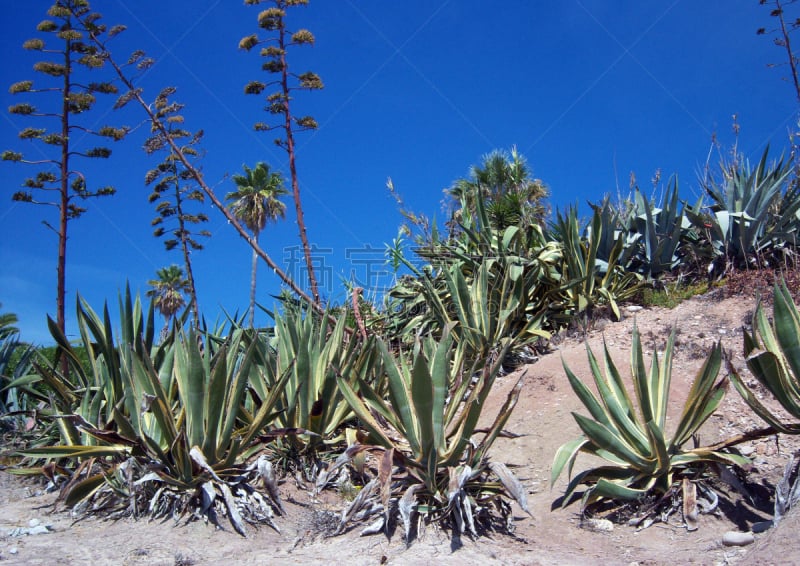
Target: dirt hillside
(543,421)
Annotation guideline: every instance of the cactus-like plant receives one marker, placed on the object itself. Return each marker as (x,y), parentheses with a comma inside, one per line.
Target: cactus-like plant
(752,213)
(772,351)
(431,464)
(773,356)
(589,281)
(161,430)
(643,458)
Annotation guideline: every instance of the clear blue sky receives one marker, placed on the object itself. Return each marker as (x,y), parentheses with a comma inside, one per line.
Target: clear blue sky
(588,90)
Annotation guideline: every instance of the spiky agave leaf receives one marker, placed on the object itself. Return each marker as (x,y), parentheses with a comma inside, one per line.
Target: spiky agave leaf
(643,457)
(430,436)
(773,356)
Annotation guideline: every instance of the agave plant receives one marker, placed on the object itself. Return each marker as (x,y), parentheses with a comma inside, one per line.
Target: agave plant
(773,356)
(311,411)
(406,309)
(772,352)
(616,222)
(498,283)
(643,459)
(660,233)
(751,213)
(589,281)
(92,385)
(430,463)
(16,359)
(499,307)
(176,439)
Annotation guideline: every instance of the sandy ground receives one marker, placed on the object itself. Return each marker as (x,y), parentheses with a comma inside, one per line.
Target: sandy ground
(542,419)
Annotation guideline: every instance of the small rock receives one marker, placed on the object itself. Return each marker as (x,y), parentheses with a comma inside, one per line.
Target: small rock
(39,530)
(634,308)
(598,525)
(722,331)
(34,523)
(761,526)
(735,538)
(13,550)
(746,450)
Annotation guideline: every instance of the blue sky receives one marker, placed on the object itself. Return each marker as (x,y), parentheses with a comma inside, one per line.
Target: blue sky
(588,90)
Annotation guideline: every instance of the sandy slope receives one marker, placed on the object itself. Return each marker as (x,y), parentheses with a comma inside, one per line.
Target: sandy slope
(543,420)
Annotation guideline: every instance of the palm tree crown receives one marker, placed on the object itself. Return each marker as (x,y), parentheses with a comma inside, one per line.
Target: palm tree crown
(256,202)
(503,183)
(168,290)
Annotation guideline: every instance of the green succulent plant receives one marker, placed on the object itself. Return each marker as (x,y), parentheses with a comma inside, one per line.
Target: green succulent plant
(587,280)
(16,357)
(502,297)
(772,351)
(165,433)
(425,427)
(643,458)
(753,213)
(92,385)
(311,408)
(661,233)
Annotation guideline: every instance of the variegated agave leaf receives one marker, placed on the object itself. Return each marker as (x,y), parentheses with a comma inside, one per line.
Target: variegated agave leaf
(642,458)
(438,435)
(773,356)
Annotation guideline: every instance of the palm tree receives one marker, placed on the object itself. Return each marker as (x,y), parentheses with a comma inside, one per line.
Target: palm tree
(256,202)
(168,292)
(7,322)
(503,182)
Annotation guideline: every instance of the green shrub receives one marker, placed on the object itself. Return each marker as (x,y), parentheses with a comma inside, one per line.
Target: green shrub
(670,295)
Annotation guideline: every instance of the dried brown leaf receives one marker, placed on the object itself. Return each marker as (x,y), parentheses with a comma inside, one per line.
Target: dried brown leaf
(513,486)
(690,511)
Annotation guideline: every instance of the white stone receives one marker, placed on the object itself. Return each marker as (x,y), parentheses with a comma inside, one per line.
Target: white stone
(736,538)
(598,525)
